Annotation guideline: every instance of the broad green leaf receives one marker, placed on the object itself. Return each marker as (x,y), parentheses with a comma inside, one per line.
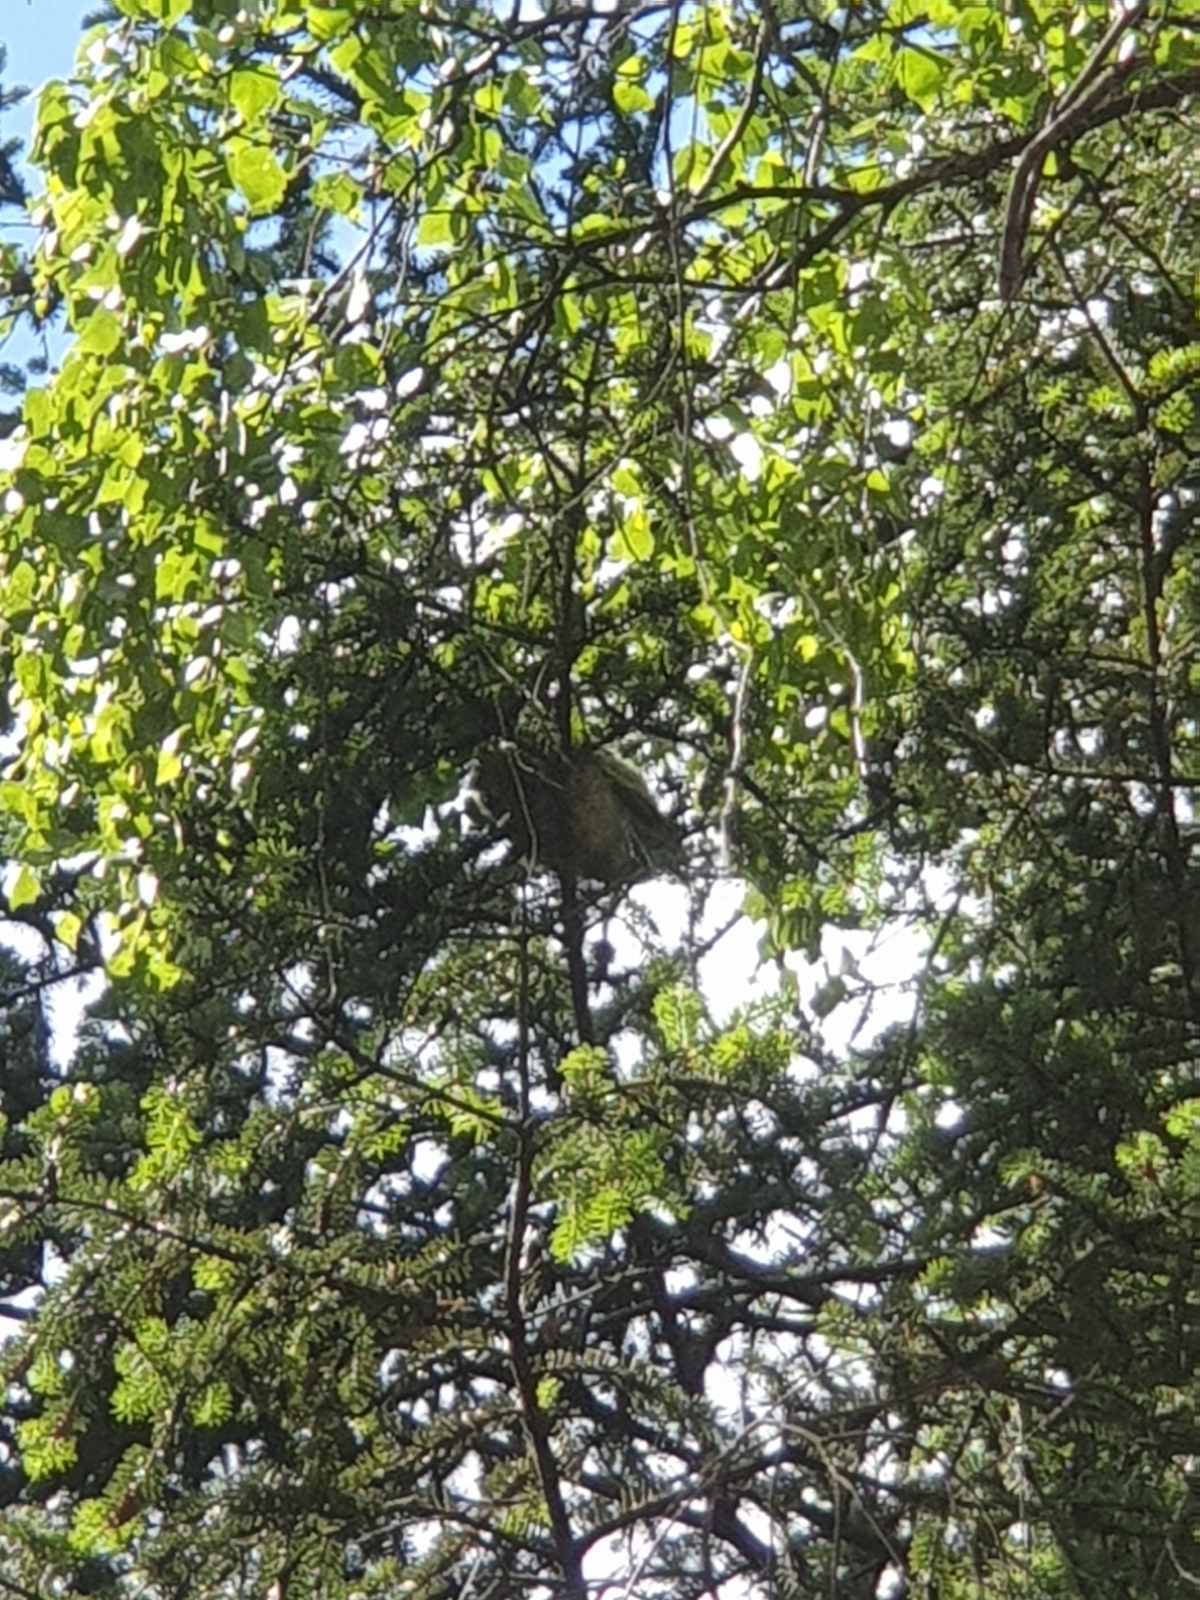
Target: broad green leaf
(339,193)
(25,889)
(634,541)
(920,74)
(168,768)
(253,92)
(441,228)
(20,588)
(328,21)
(101,335)
(258,175)
(165,11)
(631,97)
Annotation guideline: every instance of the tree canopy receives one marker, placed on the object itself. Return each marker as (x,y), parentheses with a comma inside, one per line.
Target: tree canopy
(519,483)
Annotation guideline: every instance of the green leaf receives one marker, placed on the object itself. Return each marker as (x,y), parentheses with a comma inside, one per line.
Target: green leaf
(168,768)
(631,97)
(441,228)
(258,176)
(635,539)
(326,22)
(101,334)
(338,192)
(164,11)
(174,573)
(253,92)
(25,890)
(20,588)
(920,74)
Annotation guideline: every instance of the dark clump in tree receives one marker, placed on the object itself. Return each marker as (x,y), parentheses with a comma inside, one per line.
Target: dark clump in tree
(587,814)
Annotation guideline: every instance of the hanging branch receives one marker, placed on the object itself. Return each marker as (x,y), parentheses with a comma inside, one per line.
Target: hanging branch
(1066,115)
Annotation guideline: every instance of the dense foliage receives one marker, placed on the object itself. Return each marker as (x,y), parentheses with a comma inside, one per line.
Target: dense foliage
(799,402)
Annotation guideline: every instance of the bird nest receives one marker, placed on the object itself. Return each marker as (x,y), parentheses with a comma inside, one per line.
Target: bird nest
(584,814)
